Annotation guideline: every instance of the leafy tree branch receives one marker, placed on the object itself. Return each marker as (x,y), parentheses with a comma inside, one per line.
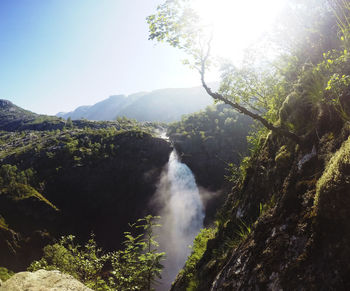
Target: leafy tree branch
(176,23)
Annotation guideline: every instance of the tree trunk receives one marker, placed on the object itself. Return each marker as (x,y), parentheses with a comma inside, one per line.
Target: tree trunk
(243,110)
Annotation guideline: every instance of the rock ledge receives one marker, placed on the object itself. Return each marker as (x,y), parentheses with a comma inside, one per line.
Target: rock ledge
(42,280)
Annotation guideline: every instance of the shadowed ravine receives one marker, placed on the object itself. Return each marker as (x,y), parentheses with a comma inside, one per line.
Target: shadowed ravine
(182,216)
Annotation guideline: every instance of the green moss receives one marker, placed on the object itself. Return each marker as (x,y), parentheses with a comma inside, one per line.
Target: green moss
(331,187)
(298,111)
(283,157)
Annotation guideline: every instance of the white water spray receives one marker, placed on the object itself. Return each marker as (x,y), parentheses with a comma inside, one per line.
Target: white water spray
(182,216)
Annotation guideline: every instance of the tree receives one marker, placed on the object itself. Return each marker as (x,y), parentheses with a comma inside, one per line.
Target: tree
(138,265)
(69,122)
(176,23)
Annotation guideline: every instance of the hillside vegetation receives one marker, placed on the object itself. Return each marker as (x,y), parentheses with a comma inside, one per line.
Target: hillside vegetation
(75,181)
(211,143)
(284,225)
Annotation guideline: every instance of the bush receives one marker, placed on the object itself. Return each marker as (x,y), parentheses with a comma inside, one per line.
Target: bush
(136,267)
(5,274)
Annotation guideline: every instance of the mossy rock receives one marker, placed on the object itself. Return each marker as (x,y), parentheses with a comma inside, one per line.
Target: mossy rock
(283,158)
(297,113)
(332,200)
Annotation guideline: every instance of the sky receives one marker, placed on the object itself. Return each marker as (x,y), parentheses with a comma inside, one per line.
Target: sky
(56,55)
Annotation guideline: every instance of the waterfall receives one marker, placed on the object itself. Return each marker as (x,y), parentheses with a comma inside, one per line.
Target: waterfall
(182,216)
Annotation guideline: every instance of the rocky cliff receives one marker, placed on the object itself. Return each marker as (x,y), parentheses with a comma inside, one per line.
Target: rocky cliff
(285,225)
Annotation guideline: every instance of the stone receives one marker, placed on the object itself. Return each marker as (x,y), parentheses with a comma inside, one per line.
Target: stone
(42,280)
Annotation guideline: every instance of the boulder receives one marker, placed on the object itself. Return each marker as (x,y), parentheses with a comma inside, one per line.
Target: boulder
(42,280)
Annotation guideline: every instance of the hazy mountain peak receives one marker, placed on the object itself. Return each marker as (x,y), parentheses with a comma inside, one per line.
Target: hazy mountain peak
(164,105)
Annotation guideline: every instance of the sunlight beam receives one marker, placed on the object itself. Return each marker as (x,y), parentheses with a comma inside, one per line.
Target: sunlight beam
(237,23)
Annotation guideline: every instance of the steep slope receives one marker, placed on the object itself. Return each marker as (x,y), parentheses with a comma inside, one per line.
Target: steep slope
(285,227)
(285,223)
(161,105)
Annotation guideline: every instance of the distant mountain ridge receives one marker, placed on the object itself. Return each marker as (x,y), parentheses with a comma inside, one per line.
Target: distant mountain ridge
(164,105)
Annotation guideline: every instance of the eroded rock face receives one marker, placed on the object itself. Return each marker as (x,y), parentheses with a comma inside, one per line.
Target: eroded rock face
(301,240)
(42,280)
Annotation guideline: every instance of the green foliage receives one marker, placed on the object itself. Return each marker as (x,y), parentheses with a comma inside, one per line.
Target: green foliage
(198,249)
(217,121)
(254,90)
(82,262)
(136,267)
(243,231)
(259,89)
(263,208)
(256,138)
(69,123)
(5,274)
(341,10)
(337,86)
(3,223)
(15,184)
(176,23)
(234,175)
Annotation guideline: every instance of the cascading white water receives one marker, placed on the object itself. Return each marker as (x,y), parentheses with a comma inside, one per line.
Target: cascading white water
(182,216)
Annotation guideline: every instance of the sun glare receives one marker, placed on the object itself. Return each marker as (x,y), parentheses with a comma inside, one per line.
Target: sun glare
(237,23)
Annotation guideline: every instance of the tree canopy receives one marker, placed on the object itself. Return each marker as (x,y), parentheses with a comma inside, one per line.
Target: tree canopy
(256,91)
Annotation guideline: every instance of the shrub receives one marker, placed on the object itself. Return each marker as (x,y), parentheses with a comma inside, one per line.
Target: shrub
(136,267)
(5,274)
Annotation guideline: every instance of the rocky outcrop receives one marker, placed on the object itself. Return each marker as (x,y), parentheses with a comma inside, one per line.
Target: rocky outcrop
(42,280)
(296,201)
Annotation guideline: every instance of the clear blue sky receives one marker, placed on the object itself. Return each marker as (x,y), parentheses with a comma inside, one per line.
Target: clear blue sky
(58,54)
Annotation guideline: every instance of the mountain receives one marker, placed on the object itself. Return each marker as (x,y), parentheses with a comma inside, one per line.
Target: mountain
(13,117)
(163,105)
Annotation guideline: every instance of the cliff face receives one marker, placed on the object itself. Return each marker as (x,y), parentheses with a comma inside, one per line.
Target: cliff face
(209,141)
(286,226)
